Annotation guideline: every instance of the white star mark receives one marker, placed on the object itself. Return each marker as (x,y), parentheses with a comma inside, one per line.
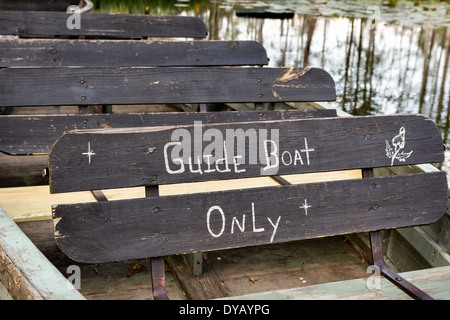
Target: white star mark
(305,206)
(90,153)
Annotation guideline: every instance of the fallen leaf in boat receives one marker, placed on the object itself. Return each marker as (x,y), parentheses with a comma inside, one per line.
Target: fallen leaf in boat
(137,266)
(252,281)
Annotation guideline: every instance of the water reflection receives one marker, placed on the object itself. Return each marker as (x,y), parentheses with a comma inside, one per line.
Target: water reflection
(391,60)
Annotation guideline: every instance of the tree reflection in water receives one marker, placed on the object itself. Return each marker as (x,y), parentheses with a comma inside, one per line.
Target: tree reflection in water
(397,64)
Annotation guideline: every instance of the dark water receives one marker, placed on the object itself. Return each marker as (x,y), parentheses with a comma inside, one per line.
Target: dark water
(385,57)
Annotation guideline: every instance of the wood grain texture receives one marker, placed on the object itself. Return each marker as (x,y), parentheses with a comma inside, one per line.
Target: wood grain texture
(125,53)
(41,23)
(93,85)
(435,281)
(36,134)
(159,226)
(80,86)
(142,156)
(49,5)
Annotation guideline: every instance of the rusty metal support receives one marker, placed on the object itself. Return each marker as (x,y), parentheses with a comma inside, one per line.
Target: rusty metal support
(378,260)
(376,245)
(158,279)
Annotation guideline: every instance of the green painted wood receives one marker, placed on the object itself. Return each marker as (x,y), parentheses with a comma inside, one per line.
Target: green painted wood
(429,249)
(435,281)
(26,272)
(125,53)
(4,294)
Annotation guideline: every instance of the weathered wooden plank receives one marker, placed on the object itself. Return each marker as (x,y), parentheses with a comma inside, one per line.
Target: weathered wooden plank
(24,271)
(35,202)
(89,85)
(124,53)
(160,226)
(49,5)
(36,134)
(286,265)
(196,288)
(435,281)
(32,203)
(437,241)
(114,158)
(429,249)
(42,23)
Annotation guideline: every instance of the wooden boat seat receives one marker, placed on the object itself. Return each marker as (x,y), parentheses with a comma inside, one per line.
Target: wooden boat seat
(363,136)
(158,226)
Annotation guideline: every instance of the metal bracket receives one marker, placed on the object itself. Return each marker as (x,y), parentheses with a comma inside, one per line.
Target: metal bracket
(157,264)
(378,260)
(158,279)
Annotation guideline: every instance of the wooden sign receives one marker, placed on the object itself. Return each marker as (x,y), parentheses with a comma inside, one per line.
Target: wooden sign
(152,227)
(115,158)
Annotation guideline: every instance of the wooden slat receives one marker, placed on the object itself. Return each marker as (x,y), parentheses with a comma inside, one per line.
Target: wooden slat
(36,134)
(237,184)
(160,226)
(435,281)
(49,5)
(114,158)
(124,53)
(29,23)
(33,203)
(81,86)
